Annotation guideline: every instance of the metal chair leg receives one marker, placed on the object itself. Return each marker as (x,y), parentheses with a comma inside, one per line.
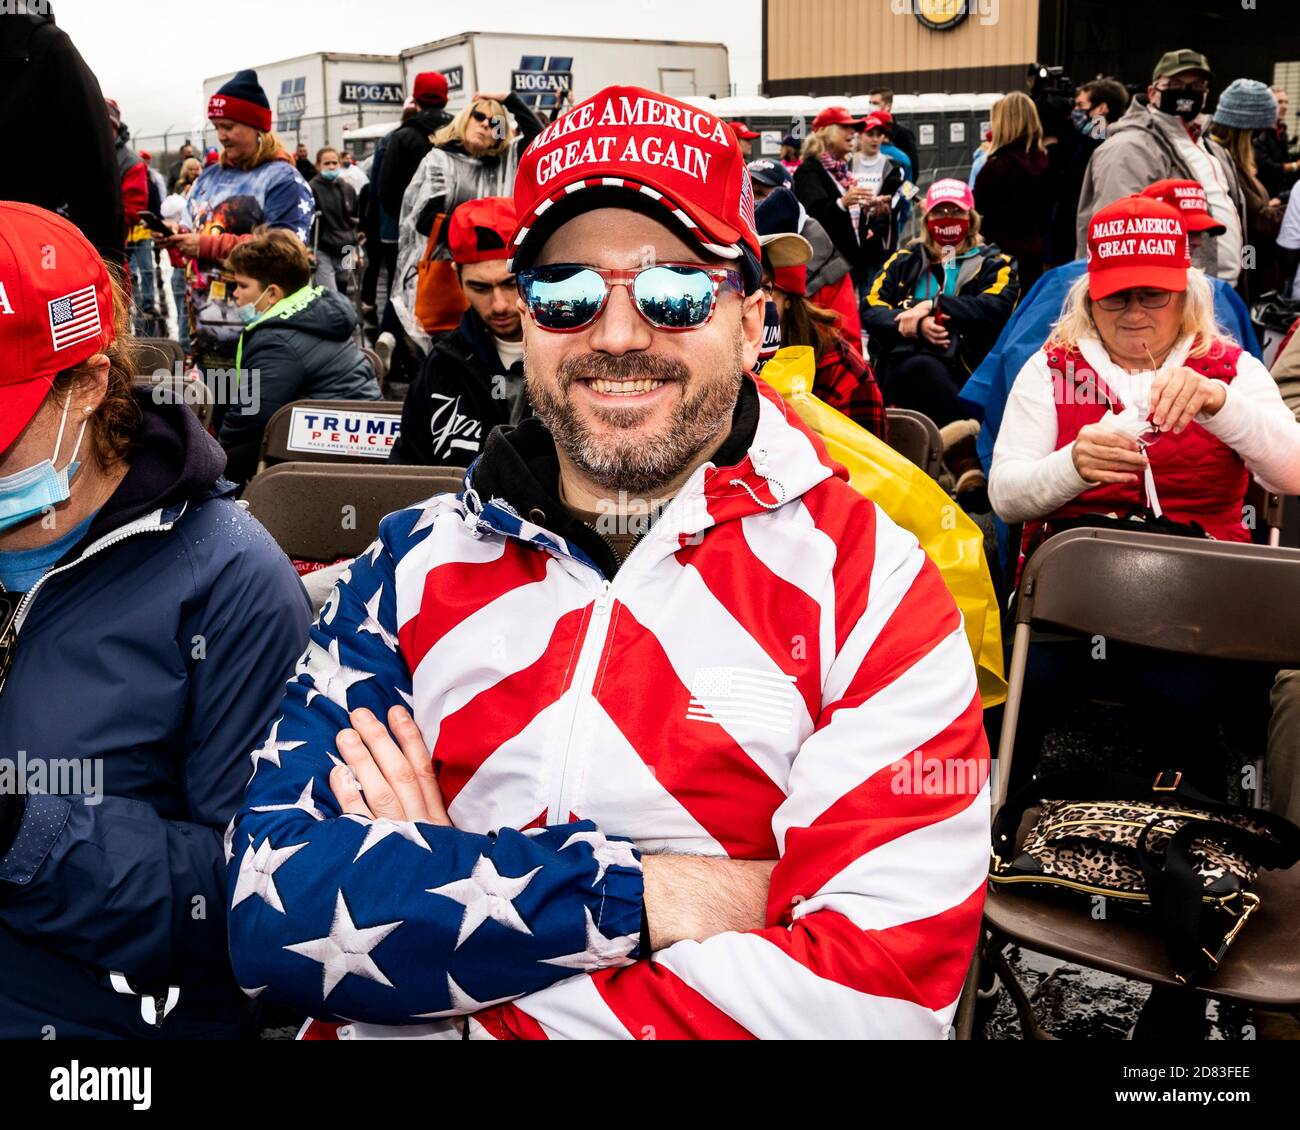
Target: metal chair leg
(996,955)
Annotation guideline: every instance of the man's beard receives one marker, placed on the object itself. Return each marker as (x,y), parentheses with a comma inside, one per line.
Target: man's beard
(614,457)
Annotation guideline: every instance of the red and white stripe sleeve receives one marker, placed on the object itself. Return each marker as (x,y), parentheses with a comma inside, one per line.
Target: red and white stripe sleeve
(875,904)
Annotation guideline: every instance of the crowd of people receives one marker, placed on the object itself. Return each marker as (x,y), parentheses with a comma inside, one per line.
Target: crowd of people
(545,763)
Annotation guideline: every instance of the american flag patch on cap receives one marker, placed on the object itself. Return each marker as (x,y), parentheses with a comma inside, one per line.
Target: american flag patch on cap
(739,696)
(74,318)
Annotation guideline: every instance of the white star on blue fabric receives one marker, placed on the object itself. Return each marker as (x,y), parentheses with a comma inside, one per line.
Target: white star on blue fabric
(257,873)
(381,829)
(461,1003)
(425,522)
(372,623)
(330,676)
(304,801)
(271,749)
(601,952)
(607,853)
(486,894)
(304,207)
(375,551)
(346,949)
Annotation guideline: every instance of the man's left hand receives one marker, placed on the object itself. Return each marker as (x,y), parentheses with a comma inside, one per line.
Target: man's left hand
(387,779)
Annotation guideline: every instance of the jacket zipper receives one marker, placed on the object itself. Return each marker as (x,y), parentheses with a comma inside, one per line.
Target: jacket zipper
(592,647)
(122,535)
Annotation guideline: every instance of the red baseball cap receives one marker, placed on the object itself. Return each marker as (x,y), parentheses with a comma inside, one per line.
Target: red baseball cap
(742,130)
(878,119)
(1188,199)
(1136,241)
(950,190)
(430,86)
(56,308)
(481,229)
(836,116)
(626,147)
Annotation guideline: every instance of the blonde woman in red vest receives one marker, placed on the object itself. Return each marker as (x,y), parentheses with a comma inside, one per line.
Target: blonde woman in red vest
(1138,398)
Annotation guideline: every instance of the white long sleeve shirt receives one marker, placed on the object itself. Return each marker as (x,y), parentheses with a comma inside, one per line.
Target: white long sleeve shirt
(1030,478)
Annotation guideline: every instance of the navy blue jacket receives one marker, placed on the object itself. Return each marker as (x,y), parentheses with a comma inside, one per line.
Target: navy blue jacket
(300,349)
(158,647)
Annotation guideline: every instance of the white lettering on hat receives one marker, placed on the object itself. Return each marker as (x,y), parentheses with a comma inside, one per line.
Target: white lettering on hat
(652,150)
(4,300)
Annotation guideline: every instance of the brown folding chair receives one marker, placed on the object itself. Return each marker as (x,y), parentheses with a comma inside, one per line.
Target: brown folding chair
(916,437)
(1182,595)
(326,511)
(278,435)
(154,354)
(376,364)
(167,388)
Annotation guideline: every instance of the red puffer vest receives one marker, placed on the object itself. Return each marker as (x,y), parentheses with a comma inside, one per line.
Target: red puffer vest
(1199,478)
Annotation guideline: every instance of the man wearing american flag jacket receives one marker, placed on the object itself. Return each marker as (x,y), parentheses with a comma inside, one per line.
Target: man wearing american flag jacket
(609,743)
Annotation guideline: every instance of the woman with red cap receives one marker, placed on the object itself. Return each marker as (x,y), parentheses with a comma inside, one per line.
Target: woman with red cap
(147,624)
(253,184)
(1138,399)
(934,310)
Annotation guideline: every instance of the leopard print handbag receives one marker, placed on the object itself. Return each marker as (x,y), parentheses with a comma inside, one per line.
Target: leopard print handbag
(1159,847)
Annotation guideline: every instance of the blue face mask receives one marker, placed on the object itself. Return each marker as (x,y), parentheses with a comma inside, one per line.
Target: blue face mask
(27,493)
(330,174)
(249,313)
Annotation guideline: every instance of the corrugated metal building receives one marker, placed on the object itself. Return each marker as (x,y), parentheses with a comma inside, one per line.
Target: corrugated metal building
(840,47)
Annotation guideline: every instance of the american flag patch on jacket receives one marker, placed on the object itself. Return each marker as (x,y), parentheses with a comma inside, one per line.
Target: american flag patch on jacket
(741,696)
(74,318)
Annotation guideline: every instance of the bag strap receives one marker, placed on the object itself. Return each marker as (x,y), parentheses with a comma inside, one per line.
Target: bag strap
(1176,888)
(1086,785)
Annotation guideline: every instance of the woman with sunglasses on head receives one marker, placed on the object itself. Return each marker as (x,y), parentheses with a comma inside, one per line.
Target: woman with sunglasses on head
(147,624)
(475,155)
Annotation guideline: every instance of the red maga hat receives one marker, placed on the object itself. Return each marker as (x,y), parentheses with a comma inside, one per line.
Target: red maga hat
(56,308)
(1136,241)
(1188,199)
(629,147)
(481,229)
(742,130)
(836,116)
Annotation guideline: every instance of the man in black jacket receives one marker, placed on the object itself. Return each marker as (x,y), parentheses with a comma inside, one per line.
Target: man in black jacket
(473,378)
(882,98)
(337,236)
(409,143)
(47,92)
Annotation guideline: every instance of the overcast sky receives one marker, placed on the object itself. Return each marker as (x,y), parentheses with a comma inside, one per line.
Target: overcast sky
(153,55)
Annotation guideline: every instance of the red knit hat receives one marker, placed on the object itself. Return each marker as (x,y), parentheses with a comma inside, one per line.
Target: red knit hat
(242,100)
(56,308)
(1136,241)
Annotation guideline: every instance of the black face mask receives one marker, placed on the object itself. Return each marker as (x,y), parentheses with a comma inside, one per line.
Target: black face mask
(1185,104)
